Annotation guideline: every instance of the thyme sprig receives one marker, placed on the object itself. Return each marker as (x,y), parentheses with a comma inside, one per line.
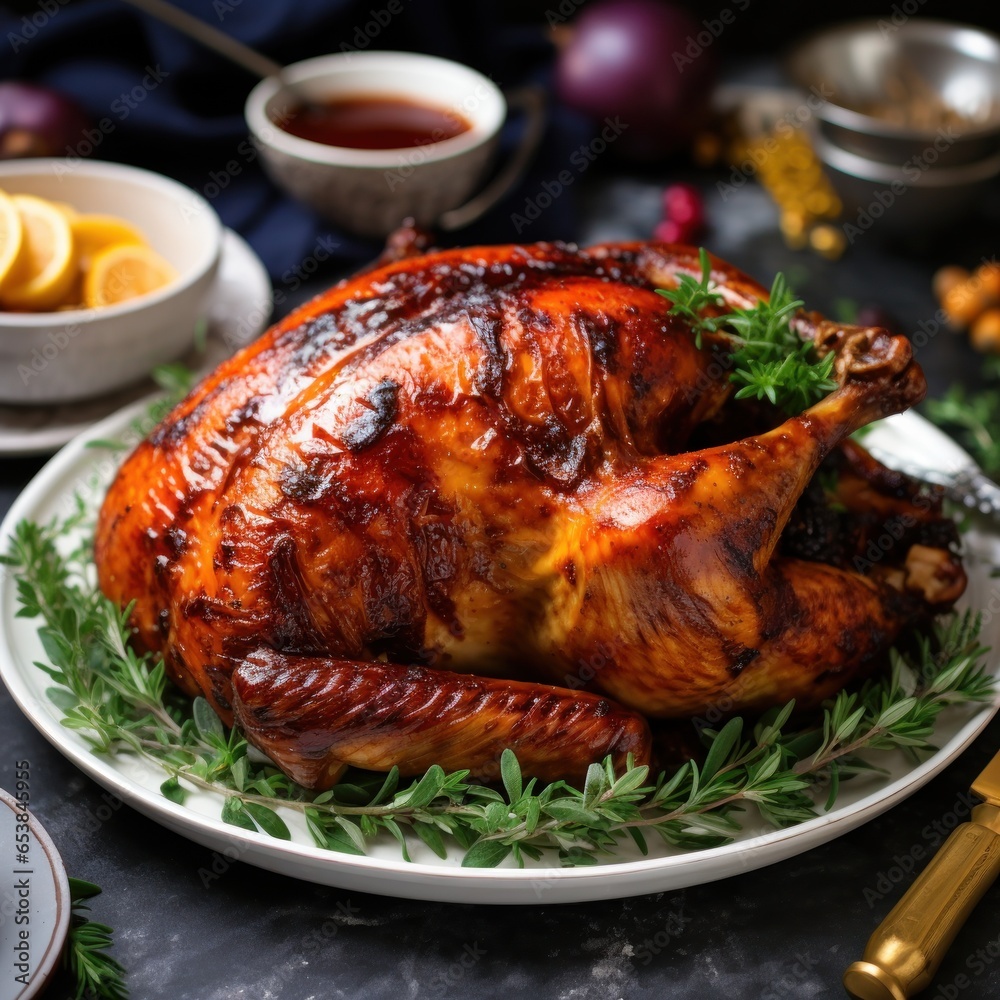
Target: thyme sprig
(121,702)
(974,417)
(770,360)
(692,296)
(98,976)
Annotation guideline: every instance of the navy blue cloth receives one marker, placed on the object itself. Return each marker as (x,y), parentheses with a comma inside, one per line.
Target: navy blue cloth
(161,101)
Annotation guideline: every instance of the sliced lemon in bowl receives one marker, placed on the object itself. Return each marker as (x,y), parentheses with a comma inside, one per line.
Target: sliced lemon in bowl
(93,233)
(11,235)
(45,266)
(125,271)
(67,209)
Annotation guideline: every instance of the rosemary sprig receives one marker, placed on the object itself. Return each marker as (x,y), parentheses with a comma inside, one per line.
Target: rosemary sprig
(122,703)
(771,361)
(97,974)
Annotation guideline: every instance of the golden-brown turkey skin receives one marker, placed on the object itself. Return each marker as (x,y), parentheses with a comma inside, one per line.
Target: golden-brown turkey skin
(473,460)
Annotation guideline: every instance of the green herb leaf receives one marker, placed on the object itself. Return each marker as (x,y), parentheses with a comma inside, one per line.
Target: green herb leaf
(973,417)
(206,720)
(722,746)
(268,820)
(510,772)
(485,854)
(171,789)
(770,360)
(98,976)
(692,296)
(234,813)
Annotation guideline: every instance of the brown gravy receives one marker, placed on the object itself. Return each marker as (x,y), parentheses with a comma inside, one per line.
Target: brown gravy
(373,123)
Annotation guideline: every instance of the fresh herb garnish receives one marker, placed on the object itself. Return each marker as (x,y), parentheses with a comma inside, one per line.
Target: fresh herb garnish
(771,361)
(121,702)
(97,974)
(974,418)
(691,296)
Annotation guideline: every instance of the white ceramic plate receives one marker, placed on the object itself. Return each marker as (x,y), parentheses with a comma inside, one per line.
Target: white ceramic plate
(77,469)
(238,309)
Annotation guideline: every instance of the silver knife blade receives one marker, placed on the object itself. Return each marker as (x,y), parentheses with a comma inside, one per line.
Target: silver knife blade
(968,485)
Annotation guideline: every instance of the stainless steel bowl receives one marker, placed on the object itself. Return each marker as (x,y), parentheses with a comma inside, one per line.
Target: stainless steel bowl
(909,124)
(892,202)
(892,89)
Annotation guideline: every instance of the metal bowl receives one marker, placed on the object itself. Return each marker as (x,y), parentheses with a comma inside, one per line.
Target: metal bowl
(891,202)
(892,90)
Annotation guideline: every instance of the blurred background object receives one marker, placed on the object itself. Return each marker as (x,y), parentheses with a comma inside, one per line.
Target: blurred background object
(37,121)
(156,99)
(638,61)
(912,112)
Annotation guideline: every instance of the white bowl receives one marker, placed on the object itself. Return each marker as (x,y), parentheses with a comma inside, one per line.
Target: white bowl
(370,191)
(79,353)
(39,911)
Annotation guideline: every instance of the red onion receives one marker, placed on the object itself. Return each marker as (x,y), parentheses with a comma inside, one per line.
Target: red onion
(35,121)
(646,61)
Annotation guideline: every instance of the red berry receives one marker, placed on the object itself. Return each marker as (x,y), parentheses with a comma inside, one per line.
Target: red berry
(671,231)
(668,231)
(683,204)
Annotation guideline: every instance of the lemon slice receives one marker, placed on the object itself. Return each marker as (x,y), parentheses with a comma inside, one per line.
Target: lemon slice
(10,236)
(67,209)
(93,233)
(45,267)
(123,272)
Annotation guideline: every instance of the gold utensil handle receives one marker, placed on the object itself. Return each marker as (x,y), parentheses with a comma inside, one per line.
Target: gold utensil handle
(906,950)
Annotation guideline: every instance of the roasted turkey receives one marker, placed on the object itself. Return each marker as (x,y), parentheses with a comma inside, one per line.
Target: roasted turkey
(497,496)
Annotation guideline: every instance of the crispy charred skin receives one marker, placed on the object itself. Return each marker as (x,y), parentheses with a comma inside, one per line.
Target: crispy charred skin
(310,714)
(474,461)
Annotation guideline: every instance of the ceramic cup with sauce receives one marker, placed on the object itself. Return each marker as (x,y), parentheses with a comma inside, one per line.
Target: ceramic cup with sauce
(369,191)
